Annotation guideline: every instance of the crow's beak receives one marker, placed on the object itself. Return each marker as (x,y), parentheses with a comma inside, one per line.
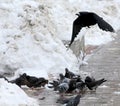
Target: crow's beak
(77,14)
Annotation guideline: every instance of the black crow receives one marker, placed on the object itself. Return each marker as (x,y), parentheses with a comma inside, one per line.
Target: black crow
(86,19)
(91,83)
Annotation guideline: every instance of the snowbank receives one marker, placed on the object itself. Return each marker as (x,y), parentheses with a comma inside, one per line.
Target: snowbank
(32,33)
(12,95)
(29,42)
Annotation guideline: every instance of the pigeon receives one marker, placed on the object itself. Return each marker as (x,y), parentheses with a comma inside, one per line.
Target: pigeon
(36,82)
(87,19)
(73,101)
(62,88)
(69,74)
(41,82)
(72,85)
(80,86)
(63,79)
(54,84)
(20,80)
(92,84)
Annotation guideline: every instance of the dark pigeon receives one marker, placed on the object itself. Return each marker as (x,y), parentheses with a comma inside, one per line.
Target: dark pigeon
(69,74)
(73,101)
(92,84)
(36,82)
(72,85)
(29,81)
(63,79)
(80,86)
(21,80)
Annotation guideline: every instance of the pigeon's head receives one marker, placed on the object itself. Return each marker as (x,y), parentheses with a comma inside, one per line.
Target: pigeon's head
(61,76)
(88,79)
(66,70)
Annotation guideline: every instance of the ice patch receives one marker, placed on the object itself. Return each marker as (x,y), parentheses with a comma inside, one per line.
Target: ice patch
(117,92)
(103,86)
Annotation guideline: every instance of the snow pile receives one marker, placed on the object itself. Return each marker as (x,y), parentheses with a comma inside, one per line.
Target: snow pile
(28,40)
(12,95)
(31,33)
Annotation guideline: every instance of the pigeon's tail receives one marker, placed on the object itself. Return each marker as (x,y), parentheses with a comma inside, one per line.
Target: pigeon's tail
(99,82)
(50,86)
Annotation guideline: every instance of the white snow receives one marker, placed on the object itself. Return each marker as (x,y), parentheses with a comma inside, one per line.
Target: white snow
(103,86)
(31,34)
(12,95)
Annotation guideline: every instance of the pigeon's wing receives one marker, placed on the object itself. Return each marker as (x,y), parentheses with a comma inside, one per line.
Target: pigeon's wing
(95,84)
(103,24)
(76,29)
(64,101)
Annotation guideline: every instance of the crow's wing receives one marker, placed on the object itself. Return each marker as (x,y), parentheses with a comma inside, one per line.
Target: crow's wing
(103,24)
(76,29)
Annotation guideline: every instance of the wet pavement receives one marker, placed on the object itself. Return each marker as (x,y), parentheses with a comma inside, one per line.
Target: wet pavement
(105,63)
